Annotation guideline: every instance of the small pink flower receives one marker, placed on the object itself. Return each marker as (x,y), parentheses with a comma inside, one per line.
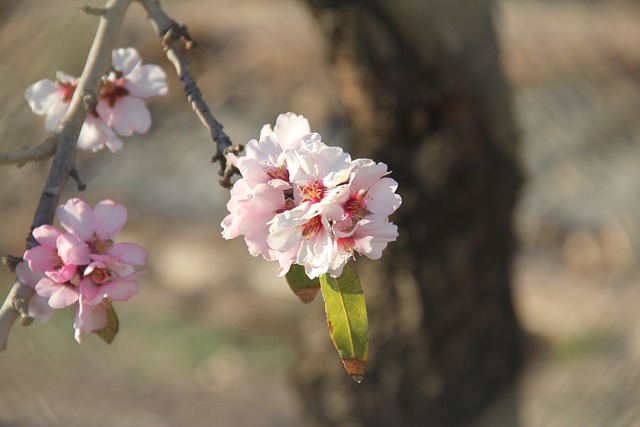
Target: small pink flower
(120,109)
(302,202)
(45,257)
(121,104)
(368,237)
(83,266)
(91,314)
(96,228)
(302,236)
(265,159)
(250,211)
(51,99)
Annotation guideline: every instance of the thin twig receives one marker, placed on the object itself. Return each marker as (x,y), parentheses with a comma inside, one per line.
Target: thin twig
(171,33)
(84,100)
(40,152)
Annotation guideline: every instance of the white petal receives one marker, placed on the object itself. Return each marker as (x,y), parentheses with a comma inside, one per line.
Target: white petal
(125,59)
(290,129)
(41,95)
(147,80)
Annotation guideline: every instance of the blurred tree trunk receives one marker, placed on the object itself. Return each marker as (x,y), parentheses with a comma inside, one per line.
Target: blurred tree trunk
(424,91)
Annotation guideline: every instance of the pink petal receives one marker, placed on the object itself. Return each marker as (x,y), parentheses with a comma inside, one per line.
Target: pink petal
(117,290)
(109,218)
(89,318)
(26,275)
(59,296)
(62,275)
(367,173)
(88,289)
(96,135)
(76,217)
(128,115)
(382,199)
(72,250)
(46,235)
(129,253)
(290,129)
(42,258)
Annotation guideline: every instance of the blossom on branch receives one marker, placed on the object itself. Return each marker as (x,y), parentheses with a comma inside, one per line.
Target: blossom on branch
(83,266)
(120,109)
(302,202)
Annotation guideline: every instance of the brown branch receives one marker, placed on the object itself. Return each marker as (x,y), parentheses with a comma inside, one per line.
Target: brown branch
(40,152)
(67,132)
(171,34)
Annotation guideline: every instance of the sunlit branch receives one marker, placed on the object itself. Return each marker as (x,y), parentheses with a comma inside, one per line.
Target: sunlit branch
(40,152)
(171,33)
(84,100)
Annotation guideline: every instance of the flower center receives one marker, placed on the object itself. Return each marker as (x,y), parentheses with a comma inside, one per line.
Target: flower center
(67,90)
(312,191)
(345,246)
(355,206)
(111,91)
(278,172)
(99,275)
(313,227)
(100,247)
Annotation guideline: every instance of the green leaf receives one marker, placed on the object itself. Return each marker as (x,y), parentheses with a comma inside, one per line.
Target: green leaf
(304,288)
(347,318)
(109,332)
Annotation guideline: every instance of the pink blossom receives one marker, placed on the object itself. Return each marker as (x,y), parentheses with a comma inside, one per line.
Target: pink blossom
(45,257)
(51,99)
(250,211)
(265,159)
(121,105)
(94,230)
(120,110)
(91,314)
(302,202)
(302,236)
(368,237)
(84,266)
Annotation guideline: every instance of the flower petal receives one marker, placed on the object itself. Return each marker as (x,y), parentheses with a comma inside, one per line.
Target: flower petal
(76,216)
(128,253)
(42,95)
(42,258)
(26,275)
(109,218)
(59,295)
(46,235)
(72,250)
(89,318)
(125,59)
(146,80)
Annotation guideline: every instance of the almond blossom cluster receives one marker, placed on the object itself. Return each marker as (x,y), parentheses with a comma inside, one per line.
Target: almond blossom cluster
(120,110)
(302,202)
(82,266)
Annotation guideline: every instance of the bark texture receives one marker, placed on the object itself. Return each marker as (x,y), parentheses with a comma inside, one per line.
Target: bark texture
(423,88)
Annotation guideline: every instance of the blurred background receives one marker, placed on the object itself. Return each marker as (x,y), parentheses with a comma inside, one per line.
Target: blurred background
(210,338)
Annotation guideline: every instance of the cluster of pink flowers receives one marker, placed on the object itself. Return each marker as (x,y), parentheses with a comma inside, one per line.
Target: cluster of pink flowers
(120,110)
(302,202)
(82,266)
